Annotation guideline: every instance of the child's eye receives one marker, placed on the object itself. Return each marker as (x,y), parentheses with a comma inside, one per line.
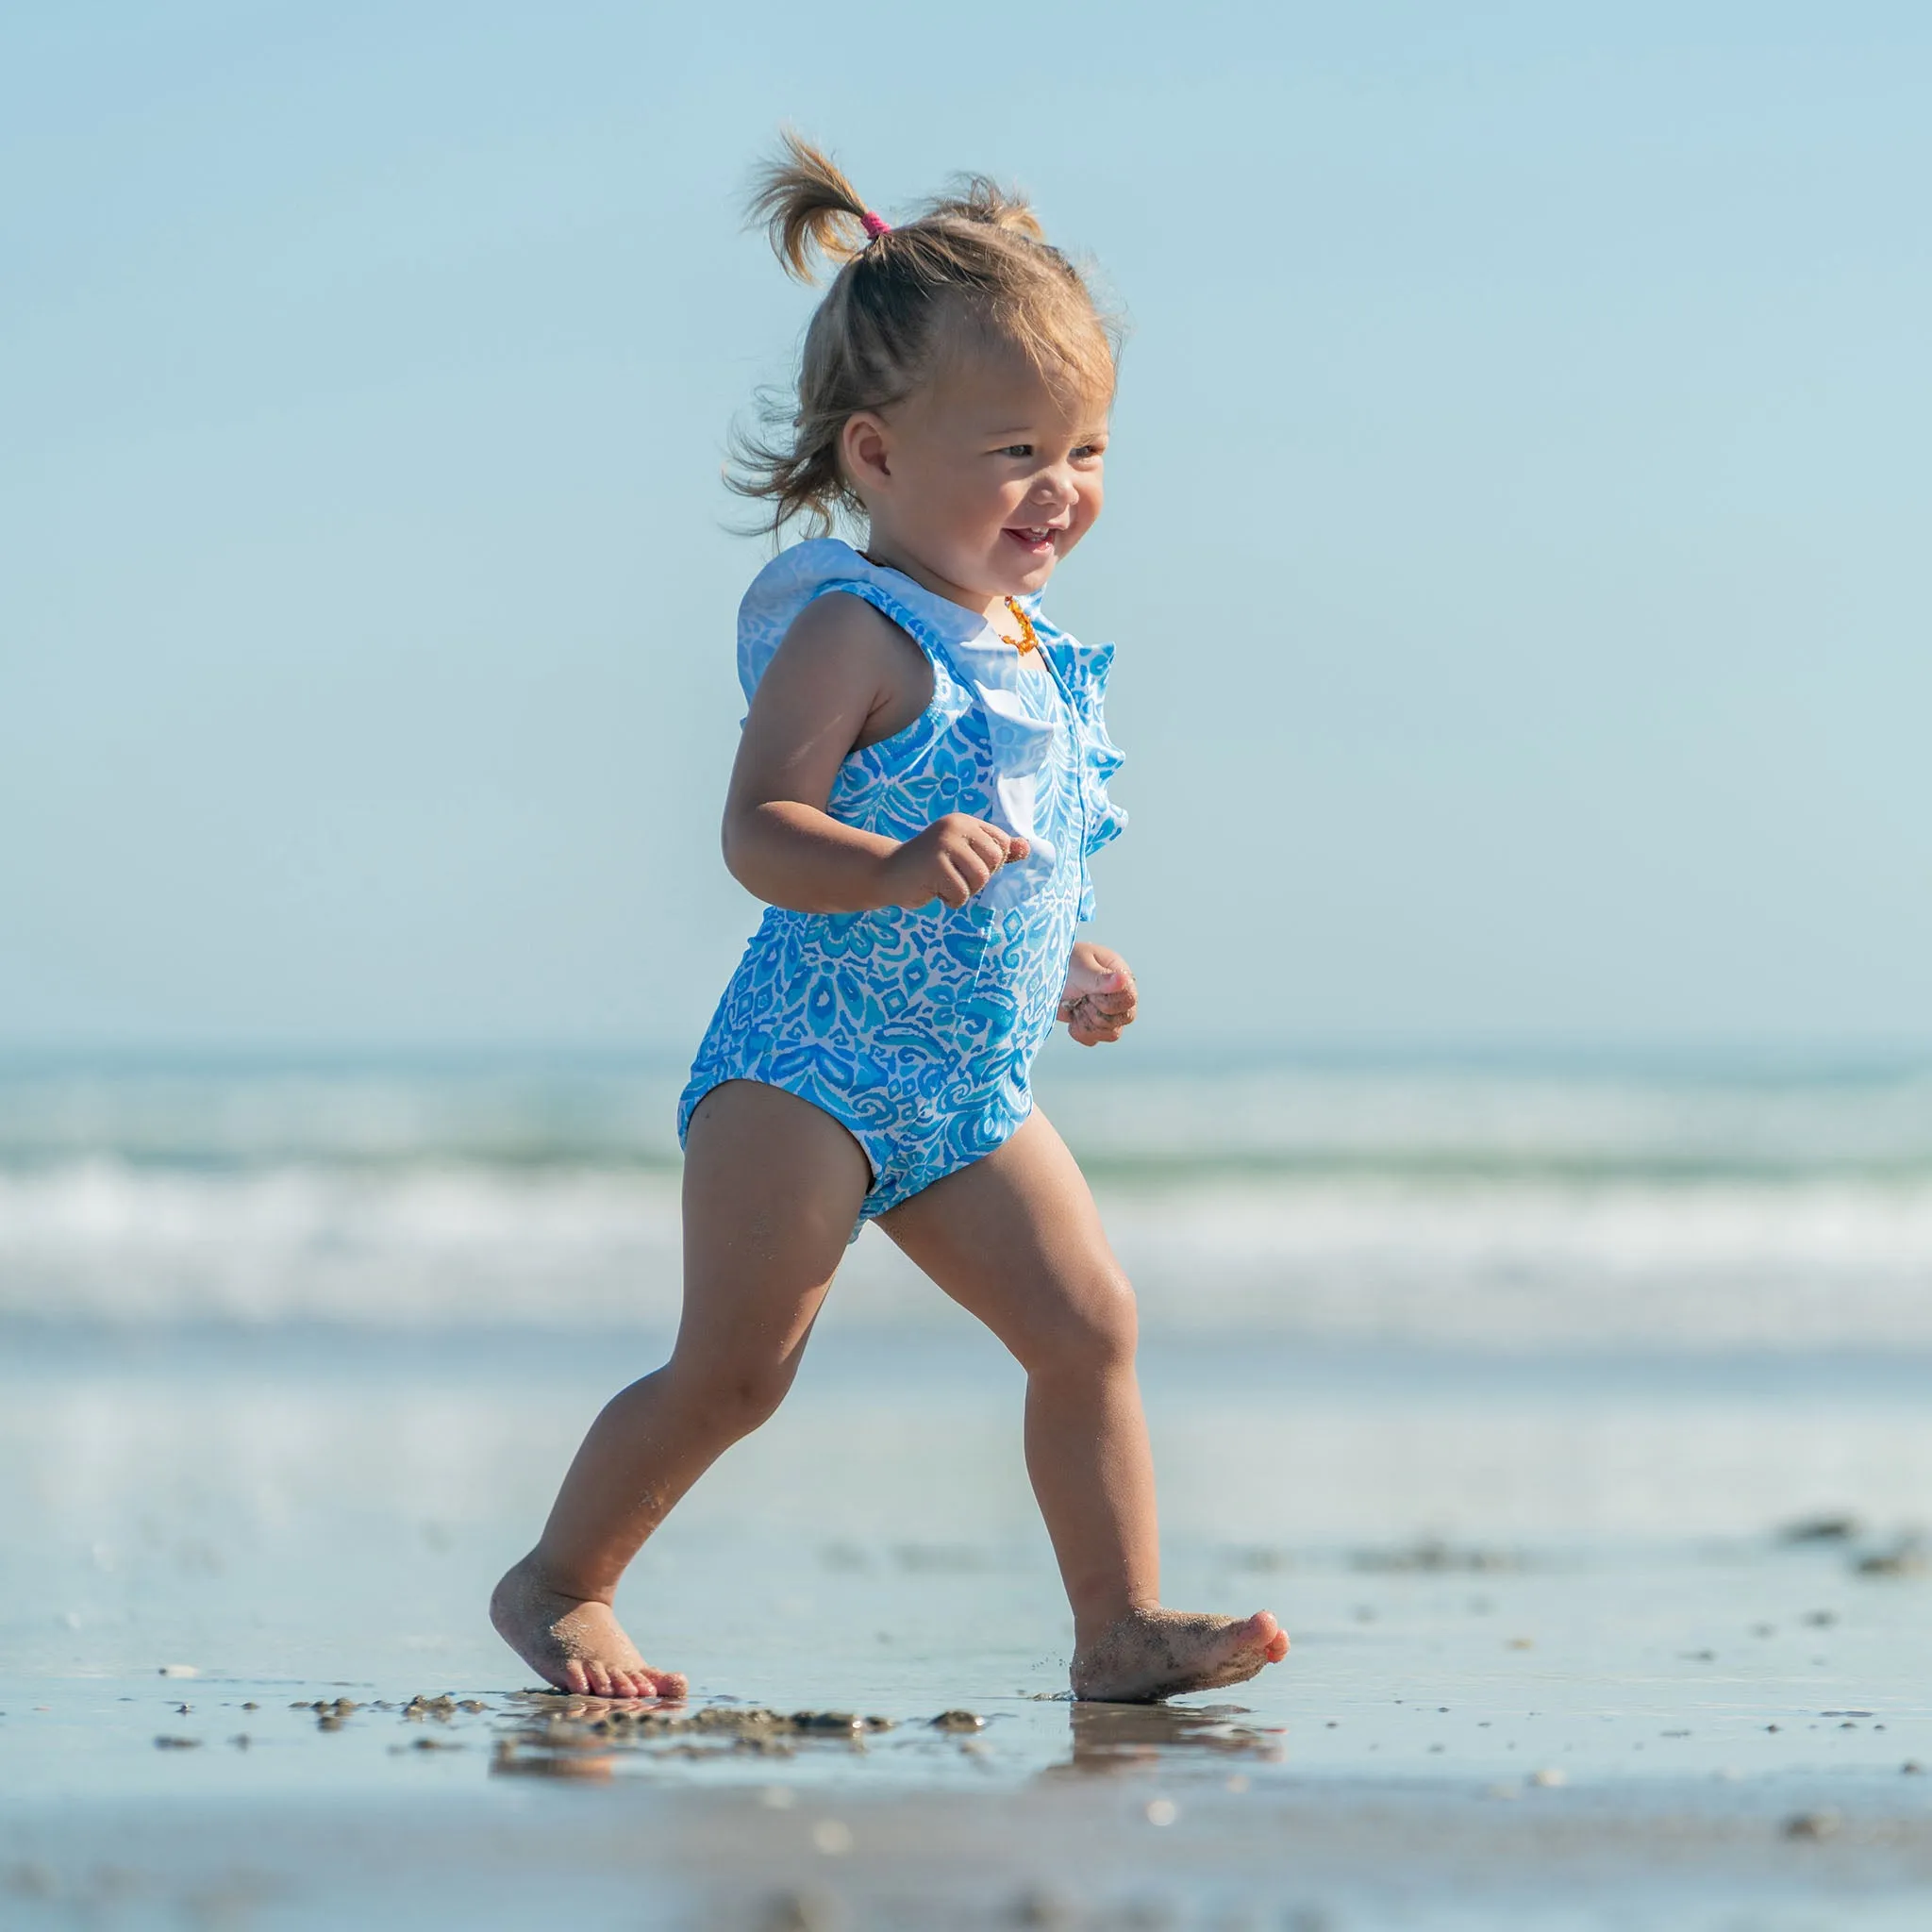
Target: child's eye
(1088,452)
(1016,449)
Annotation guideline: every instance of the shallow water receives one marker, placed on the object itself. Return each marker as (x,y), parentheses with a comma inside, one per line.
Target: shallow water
(1555,1662)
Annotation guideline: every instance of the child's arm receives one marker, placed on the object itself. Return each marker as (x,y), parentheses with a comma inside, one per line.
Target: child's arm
(845,677)
(1100,996)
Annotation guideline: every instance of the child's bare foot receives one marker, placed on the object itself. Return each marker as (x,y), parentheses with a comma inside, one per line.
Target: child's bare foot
(574,1642)
(1153,1654)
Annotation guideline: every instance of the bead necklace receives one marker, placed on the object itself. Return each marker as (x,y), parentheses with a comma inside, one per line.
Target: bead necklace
(1028,638)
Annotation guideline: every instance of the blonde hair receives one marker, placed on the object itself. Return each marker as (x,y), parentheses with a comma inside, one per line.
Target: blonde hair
(973,269)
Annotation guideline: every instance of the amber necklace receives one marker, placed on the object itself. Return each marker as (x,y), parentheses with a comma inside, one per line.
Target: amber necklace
(1028,638)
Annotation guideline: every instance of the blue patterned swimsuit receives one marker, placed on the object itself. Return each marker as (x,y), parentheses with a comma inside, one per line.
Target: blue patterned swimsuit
(917,1030)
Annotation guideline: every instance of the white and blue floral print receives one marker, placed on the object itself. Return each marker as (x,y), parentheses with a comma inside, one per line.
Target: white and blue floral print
(917,1029)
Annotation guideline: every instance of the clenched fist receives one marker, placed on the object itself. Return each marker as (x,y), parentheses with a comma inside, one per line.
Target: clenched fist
(1100,998)
(950,860)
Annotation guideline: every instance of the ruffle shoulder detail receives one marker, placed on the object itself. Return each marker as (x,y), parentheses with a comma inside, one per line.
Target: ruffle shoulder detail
(805,572)
(1084,669)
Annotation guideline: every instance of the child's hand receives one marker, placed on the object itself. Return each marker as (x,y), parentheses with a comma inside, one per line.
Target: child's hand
(950,860)
(1100,996)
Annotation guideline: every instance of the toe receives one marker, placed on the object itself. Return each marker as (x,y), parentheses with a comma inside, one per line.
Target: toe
(573,1678)
(599,1679)
(620,1685)
(670,1683)
(1261,1635)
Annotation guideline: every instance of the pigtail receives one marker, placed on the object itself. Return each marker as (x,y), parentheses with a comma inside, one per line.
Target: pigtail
(807,208)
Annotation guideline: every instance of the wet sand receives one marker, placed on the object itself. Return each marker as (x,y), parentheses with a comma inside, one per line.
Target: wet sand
(1175,1842)
(530,1806)
(1578,1644)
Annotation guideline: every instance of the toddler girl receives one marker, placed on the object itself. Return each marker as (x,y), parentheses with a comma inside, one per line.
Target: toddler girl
(921,781)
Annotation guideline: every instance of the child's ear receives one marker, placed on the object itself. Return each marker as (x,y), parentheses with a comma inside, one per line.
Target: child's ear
(865,444)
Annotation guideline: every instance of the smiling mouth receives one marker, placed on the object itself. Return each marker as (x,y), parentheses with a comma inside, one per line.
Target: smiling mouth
(1036,538)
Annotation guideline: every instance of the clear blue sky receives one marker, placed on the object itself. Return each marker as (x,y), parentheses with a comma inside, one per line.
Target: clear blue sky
(1516,539)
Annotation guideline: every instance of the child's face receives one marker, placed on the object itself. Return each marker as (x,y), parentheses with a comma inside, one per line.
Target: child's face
(979,483)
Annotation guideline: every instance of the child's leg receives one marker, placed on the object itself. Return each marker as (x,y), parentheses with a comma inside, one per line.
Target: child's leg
(1016,1238)
(772,1188)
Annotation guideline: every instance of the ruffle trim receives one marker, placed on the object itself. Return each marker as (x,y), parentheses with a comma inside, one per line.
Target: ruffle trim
(1084,669)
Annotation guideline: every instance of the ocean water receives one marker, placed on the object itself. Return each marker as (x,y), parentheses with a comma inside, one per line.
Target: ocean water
(1506,1208)
(1574,1418)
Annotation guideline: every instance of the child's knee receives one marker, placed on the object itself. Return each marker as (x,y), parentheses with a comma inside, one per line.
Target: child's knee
(734,1398)
(1098,1328)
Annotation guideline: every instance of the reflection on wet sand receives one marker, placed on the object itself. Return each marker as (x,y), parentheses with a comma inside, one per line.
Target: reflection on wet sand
(553,1760)
(1114,1737)
(550,1735)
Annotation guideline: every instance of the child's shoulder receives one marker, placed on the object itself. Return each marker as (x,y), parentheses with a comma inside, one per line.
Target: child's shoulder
(841,623)
(792,597)
(793,603)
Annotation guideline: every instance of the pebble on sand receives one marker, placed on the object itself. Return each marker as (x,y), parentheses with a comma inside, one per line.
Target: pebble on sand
(1909,1556)
(806,1911)
(837,1721)
(1044,1907)
(1813,1825)
(959,1720)
(1828,1528)
(1431,1556)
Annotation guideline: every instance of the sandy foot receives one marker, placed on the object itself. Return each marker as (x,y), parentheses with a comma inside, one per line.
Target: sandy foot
(574,1642)
(1153,1653)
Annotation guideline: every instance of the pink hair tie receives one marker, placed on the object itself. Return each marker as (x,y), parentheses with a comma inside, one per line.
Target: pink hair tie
(876,225)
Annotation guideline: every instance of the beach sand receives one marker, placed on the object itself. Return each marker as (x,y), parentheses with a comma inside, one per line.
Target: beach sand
(1558,1661)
